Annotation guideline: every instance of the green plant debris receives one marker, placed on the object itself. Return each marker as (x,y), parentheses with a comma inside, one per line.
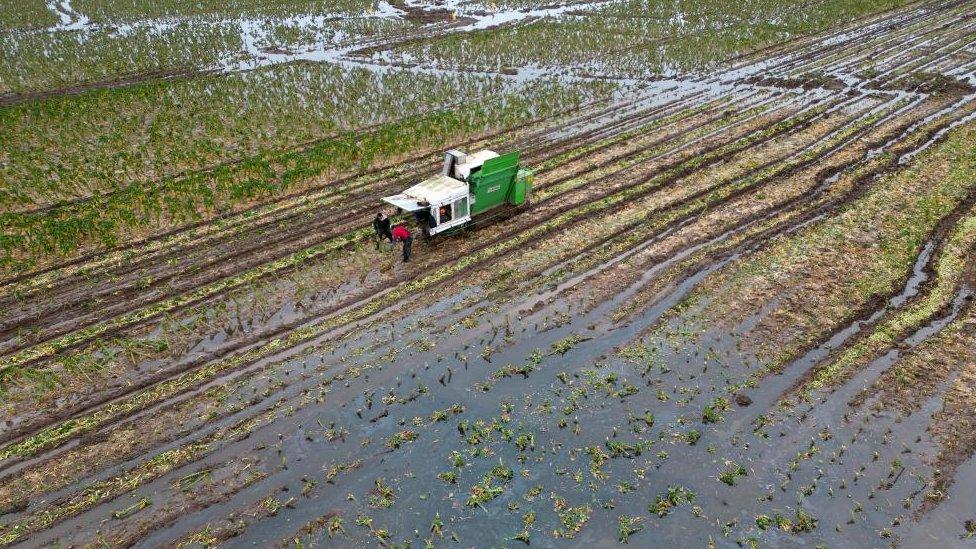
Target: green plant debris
(132,509)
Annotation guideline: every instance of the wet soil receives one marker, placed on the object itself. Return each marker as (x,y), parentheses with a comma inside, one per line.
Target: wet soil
(7,100)
(571,373)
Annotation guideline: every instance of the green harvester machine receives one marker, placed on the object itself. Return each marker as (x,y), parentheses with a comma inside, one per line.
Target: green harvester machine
(468,186)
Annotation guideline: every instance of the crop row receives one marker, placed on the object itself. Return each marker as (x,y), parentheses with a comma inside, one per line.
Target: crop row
(948,269)
(710,199)
(83,361)
(666,37)
(109,11)
(837,300)
(853,181)
(28,238)
(78,146)
(308,211)
(414,287)
(55,346)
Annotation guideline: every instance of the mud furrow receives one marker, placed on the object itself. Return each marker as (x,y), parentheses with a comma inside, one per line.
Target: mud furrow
(825,176)
(216,442)
(266,220)
(916,288)
(17,358)
(868,45)
(560,215)
(323,226)
(859,187)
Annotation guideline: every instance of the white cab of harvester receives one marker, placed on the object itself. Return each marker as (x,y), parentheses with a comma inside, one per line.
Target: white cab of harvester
(446,199)
(446,196)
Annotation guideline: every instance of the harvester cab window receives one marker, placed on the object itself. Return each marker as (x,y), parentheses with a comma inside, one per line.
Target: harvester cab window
(461,207)
(444,214)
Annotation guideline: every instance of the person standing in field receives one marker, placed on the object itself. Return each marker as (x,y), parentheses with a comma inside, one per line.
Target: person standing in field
(401,234)
(382,227)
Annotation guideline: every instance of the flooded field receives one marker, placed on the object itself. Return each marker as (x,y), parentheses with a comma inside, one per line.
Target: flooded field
(737,311)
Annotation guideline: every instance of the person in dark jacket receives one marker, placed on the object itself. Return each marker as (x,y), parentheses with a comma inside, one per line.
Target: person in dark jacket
(382,227)
(401,234)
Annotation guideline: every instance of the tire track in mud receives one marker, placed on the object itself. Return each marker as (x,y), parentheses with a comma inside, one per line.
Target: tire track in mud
(955,37)
(917,279)
(122,80)
(951,422)
(836,409)
(868,44)
(915,42)
(671,224)
(916,286)
(824,55)
(680,223)
(932,136)
(801,53)
(559,210)
(826,176)
(13,359)
(790,225)
(360,198)
(327,227)
(860,187)
(891,389)
(714,238)
(684,221)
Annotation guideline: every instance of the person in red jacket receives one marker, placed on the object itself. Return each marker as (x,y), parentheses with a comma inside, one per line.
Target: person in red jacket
(401,234)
